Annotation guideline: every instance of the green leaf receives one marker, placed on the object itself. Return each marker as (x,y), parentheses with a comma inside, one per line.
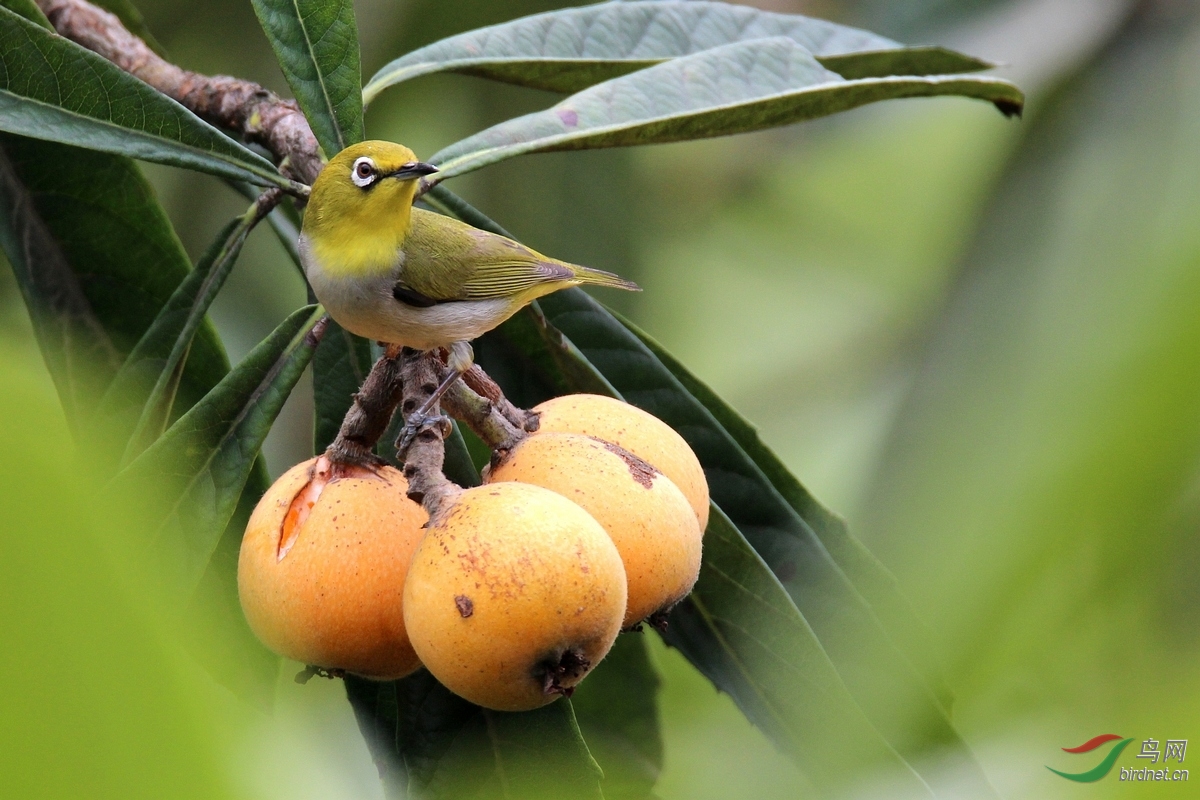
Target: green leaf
(220,638)
(316,43)
(341,364)
(894,696)
(737,88)
(570,49)
(96,259)
(29,10)
(432,744)
(740,629)
(159,358)
(617,709)
(53,89)
(872,580)
(207,455)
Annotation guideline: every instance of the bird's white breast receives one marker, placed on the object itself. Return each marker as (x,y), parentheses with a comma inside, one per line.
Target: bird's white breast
(364,305)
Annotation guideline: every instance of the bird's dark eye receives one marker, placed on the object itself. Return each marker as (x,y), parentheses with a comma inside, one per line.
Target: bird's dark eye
(363,172)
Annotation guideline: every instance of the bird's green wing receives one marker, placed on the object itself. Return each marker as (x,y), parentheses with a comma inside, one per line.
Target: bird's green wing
(445,260)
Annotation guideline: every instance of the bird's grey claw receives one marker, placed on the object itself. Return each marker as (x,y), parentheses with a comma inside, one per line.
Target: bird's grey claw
(418,423)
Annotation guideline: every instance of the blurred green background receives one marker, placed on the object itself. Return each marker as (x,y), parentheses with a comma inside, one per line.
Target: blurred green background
(978,340)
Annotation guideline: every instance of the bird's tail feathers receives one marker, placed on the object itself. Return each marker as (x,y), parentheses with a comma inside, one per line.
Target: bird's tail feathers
(598,277)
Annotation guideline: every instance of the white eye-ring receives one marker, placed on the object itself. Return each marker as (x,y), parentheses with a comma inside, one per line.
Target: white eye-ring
(364,172)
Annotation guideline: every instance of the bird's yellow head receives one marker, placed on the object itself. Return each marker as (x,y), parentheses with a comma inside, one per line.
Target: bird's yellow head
(360,208)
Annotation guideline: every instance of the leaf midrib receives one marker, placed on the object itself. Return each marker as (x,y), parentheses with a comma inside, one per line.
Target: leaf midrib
(449,167)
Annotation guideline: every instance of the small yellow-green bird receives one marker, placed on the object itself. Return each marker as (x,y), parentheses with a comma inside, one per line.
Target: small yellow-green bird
(402,275)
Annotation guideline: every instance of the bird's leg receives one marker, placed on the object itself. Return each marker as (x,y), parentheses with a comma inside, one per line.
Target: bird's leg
(460,360)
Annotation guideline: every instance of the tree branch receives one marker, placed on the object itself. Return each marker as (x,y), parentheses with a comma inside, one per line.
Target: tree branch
(258,115)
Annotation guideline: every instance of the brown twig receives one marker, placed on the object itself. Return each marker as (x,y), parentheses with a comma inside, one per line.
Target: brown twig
(482,384)
(369,414)
(259,115)
(485,419)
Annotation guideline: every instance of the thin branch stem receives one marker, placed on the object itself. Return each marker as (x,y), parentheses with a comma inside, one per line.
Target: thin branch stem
(258,115)
(370,413)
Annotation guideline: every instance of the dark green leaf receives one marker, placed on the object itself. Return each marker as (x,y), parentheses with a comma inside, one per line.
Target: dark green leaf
(740,628)
(97,260)
(29,10)
(884,683)
(316,43)
(432,744)
(573,48)
(617,709)
(870,578)
(283,219)
(737,88)
(158,359)
(341,364)
(221,638)
(53,89)
(207,455)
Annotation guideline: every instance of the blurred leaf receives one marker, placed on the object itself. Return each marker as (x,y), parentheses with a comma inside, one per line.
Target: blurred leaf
(1027,492)
(869,576)
(133,21)
(29,10)
(432,744)
(341,364)
(207,455)
(96,259)
(617,709)
(573,48)
(151,373)
(316,43)
(218,635)
(740,628)
(737,88)
(51,88)
(109,705)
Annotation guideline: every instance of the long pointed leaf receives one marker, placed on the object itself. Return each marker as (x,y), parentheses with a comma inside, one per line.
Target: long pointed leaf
(150,375)
(873,581)
(53,89)
(570,49)
(316,43)
(737,88)
(96,259)
(740,628)
(894,696)
(208,454)
(341,364)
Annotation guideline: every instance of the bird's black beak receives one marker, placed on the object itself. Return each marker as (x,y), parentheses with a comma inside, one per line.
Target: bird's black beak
(413,169)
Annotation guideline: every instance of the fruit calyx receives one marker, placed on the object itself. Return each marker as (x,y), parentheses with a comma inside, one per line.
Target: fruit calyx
(559,675)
